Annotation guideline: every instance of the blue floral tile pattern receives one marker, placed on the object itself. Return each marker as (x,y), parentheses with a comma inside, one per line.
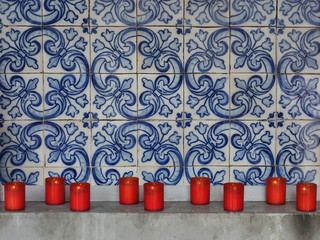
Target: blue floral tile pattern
(164,90)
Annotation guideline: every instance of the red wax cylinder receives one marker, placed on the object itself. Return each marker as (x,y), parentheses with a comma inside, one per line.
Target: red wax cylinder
(306,194)
(55,193)
(233,194)
(129,190)
(14,196)
(276,190)
(200,190)
(80,196)
(153,196)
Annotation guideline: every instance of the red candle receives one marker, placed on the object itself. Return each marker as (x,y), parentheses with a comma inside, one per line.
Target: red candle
(14,196)
(276,190)
(306,194)
(129,190)
(55,190)
(153,196)
(200,190)
(233,194)
(80,196)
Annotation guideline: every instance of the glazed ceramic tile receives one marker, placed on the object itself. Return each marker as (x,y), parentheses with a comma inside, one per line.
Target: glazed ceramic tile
(218,175)
(71,174)
(31,176)
(167,175)
(297,174)
(251,176)
(109,176)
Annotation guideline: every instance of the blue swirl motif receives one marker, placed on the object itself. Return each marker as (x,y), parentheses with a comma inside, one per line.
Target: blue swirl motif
(208,54)
(250,145)
(116,97)
(20,148)
(298,147)
(30,10)
(297,11)
(217,11)
(302,53)
(19,55)
(125,12)
(115,144)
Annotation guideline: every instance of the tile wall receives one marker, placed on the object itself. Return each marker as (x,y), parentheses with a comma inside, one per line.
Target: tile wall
(160,89)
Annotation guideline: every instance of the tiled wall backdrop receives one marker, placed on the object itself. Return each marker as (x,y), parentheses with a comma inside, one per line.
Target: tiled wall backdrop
(160,89)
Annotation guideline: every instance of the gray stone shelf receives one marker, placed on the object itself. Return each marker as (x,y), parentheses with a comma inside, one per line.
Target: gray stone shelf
(179,220)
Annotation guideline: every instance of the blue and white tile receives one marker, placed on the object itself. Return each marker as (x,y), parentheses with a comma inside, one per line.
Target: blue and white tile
(298,51)
(31,176)
(299,13)
(298,96)
(206,50)
(109,176)
(21,144)
(218,174)
(20,12)
(114,50)
(21,50)
(67,144)
(159,50)
(67,96)
(207,13)
(252,50)
(297,174)
(251,176)
(159,13)
(160,144)
(167,175)
(252,96)
(114,144)
(207,143)
(206,96)
(298,143)
(64,13)
(21,96)
(253,13)
(252,143)
(160,96)
(114,96)
(70,174)
(114,13)
(66,49)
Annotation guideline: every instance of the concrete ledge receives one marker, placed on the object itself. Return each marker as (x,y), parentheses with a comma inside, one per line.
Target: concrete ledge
(179,220)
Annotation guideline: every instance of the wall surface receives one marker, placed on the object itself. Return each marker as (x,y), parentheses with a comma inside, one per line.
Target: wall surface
(163,90)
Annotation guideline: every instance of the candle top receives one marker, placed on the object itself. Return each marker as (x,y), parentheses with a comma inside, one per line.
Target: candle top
(129,180)
(200,180)
(55,181)
(276,180)
(15,186)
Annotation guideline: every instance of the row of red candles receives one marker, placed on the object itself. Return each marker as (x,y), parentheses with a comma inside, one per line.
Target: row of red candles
(306,194)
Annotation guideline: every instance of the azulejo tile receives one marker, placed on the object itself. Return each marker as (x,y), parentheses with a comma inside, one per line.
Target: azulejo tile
(109,176)
(114,50)
(20,12)
(297,174)
(70,174)
(21,50)
(64,12)
(298,51)
(252,50)
(298,143)
(66,50)
(167,175)
(31,176)
(252,176)
(160,96)
(253,13)
(207,13)
(207,143)
(218,175)
(298,96)
(252,96)
(299,13)
(206,50)
(114,96)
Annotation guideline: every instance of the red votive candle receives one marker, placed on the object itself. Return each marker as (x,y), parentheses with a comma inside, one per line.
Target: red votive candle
(153,196)
(276,190)
(55,190)
(129,190)
(14,196)
(306,194)
(200,190)
(233,194)
(80,196)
